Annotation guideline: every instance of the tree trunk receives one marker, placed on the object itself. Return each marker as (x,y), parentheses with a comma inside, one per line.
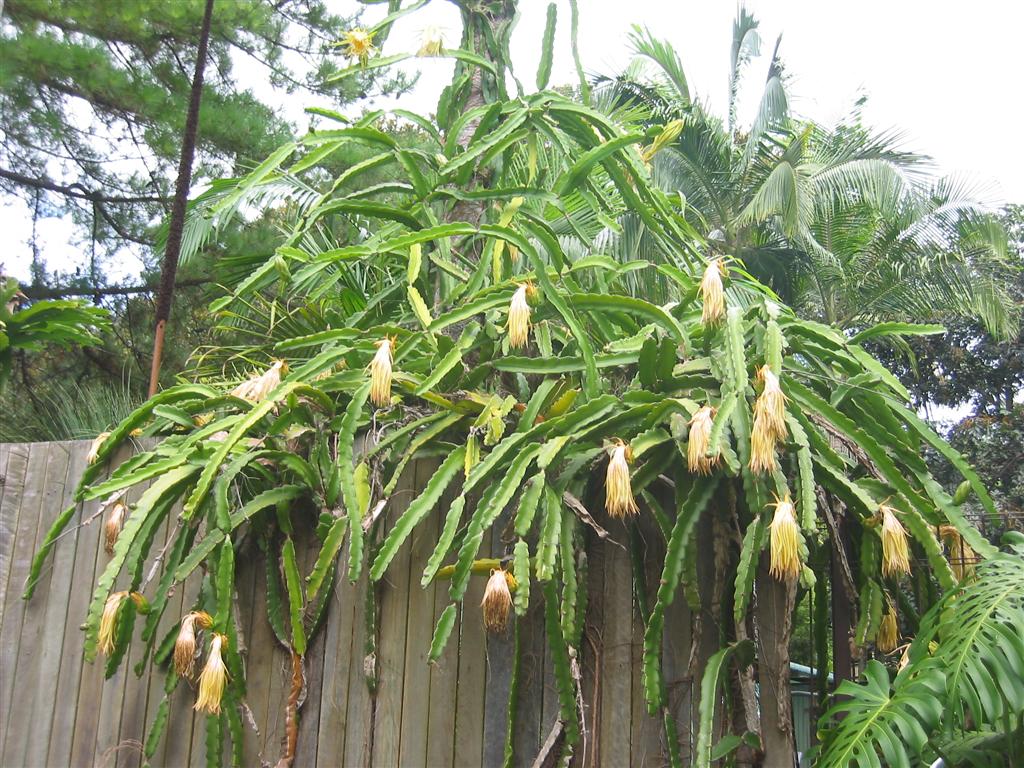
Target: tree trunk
(184,181)
(774,625)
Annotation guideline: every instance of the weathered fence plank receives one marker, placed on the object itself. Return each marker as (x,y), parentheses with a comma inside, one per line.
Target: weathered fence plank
(33,518)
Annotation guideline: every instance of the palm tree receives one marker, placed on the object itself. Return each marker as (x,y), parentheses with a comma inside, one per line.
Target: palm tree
(841,222)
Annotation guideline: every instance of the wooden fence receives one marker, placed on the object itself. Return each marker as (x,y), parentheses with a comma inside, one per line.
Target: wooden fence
(57,710)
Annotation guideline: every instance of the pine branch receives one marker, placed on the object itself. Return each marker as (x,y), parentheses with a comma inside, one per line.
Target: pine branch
(75,190)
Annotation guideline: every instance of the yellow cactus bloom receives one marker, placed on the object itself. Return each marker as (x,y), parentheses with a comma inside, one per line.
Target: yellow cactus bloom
(112,528)
(185,645)
(962,556)
(380,374)
(895,553)
(519,316)
(712,293)
(618,491)
(258,387)
(432,42)
(762,444)
(770,405)
(94,449)
(108,622)
(697,458)
(888,632)
(358,44)
(785,541)
(213,678)
(497,600)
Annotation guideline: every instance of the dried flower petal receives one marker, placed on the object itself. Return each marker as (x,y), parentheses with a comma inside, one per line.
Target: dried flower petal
(519,318)
(258,387)
(895,553)
(108,622)
(497,601)
(697,458)
(962,556)
(112,527)
(185,645)
(770,405)
(94,449)
(712,293)
(380,374)
(888,632)
(213,679)
(618,491)
(785,541)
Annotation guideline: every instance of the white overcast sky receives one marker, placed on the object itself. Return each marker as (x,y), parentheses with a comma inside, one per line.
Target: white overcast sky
(947,73)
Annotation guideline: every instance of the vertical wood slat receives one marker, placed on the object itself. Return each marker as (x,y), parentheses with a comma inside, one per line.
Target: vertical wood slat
(419,629)
(469,706)
(35,644)
(339,656)
(15,461)
(440,748)
(359,717)
(394,615)
(17,500)
(84,542)
(54,657)
(263,665)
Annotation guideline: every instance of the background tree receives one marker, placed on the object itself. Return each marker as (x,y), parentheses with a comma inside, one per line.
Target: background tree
(92,107)
(842,222)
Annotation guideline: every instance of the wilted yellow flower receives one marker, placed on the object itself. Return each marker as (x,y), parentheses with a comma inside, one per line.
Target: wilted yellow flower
(258,387)
(618,491)
(712,293)
(697,458)
(432,42)
(771,403)
(895,554)
(497,600)
(519,318)
(762,444)
(108,620)
(185,645)
(785,541)
(213,678)
(358,44)
(94,449)
(962,556)
(112,528)
(380,374)
(888,632)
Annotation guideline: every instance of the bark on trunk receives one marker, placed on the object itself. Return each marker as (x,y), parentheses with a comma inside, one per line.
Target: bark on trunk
(181,187)
(774,624)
